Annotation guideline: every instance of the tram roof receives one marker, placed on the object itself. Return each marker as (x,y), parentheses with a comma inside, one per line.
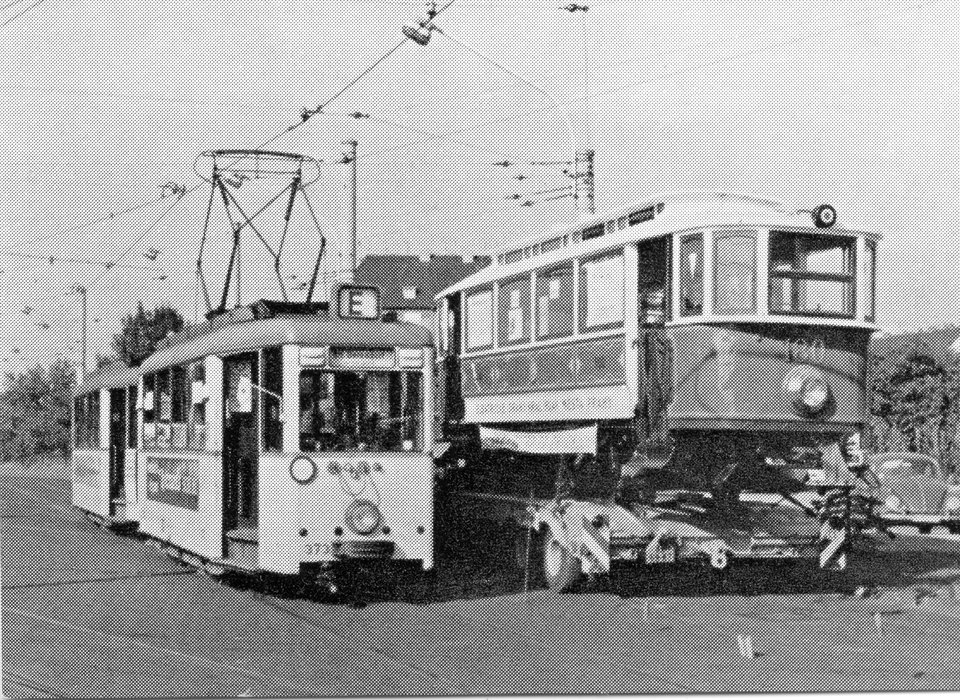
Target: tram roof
(286,329)
(112,376)
(663,214)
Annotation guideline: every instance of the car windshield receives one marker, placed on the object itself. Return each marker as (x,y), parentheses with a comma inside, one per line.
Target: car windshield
(360,411)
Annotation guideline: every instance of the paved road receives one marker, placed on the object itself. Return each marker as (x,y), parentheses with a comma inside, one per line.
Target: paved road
(88,613)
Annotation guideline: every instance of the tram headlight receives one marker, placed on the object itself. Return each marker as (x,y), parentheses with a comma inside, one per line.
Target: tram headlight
(824,216)
(303,470)
(810,392)
(892,502)
(363,517)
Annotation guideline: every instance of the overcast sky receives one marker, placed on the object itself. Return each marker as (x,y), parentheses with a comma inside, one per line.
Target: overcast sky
(101,103)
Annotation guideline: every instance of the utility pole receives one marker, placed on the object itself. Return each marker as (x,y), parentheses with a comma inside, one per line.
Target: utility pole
(586,156)
(350,158)
(82,291)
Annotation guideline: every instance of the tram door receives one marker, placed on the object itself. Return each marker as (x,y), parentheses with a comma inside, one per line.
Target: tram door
(240,447)
(118,443)
(654,345)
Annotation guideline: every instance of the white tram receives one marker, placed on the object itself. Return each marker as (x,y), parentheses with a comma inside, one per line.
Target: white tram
(684,378)
(281,438)
(103,462)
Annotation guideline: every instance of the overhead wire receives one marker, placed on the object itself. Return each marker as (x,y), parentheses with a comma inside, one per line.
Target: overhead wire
(653,79)
(20,14)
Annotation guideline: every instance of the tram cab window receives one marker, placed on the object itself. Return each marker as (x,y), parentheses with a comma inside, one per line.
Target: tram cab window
(479,318)
(601,292)
(360,411)
(735,277)
(811,274)
(652,272)
(271,401)
(690,275)
(554,302)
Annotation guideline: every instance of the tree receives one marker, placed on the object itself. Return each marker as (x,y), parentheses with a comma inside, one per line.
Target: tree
(141,331)
(910,394)
(35,412)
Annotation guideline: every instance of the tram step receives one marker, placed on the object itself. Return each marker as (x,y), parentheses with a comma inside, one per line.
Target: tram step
(244,534)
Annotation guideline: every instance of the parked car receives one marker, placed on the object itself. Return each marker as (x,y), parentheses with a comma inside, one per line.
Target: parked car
(916,490)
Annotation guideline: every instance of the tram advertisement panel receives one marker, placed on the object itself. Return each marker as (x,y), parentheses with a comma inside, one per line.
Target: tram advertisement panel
(173,481)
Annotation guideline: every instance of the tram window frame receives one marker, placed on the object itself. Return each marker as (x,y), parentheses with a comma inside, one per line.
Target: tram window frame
(800,277)
(566,303)
(687,278)
(271,408)
(514,288)
(750,266)
(472,325)
(870,281)
(87,420)
(584,290)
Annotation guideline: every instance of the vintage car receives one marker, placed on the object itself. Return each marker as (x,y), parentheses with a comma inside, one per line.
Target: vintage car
(915,490)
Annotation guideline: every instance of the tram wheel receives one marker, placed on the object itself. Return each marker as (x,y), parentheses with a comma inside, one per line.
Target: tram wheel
(561,569)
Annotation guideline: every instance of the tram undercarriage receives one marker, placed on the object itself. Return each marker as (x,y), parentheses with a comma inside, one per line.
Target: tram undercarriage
(716,499)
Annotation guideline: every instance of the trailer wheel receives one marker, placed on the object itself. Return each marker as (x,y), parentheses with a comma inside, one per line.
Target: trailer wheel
(560,568)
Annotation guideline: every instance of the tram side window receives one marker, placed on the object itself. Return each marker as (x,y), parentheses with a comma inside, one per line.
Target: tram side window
(132,417)
(690,275)
(164,409)
(601,293)
(360,411)
(514,312)
(870,282)
(479,308)
(179,405)
(272,399)
(811,274)
(735,265)
(86,421)
(198,406)
(554,303)
(149,410)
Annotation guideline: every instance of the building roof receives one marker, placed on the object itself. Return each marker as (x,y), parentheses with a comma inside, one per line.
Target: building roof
(428,275)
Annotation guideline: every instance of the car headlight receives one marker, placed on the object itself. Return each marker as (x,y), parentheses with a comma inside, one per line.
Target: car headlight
(363,517)
(892,502)
(303,470)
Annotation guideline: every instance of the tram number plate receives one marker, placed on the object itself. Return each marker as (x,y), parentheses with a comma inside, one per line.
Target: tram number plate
(317,549)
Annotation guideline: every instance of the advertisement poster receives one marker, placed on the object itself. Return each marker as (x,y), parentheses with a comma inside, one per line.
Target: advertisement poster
(604,291)
(480,319)
(173,481)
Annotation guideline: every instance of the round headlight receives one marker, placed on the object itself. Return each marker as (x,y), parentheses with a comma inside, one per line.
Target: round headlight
(814,395)
(824,216)
(892,502)
(952,504)
(363,517)
(303,470)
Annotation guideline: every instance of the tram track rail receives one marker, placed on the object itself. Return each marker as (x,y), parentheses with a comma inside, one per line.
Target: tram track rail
(13,680)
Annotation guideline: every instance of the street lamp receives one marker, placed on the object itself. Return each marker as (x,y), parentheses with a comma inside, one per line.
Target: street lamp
(421,31)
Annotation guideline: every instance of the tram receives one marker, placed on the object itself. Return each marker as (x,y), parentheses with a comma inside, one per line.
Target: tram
(680,379)
(283,437)
(103,462)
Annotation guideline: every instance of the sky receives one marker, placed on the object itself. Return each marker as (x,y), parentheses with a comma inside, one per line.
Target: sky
(103,103)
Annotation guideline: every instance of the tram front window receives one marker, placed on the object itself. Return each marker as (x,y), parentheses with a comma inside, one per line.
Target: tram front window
(811,274)
(360,411)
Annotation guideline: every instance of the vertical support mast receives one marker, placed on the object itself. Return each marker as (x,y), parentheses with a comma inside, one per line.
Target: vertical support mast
(351,158)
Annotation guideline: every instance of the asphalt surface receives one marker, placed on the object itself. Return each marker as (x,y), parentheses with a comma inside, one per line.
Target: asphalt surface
(87,613)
